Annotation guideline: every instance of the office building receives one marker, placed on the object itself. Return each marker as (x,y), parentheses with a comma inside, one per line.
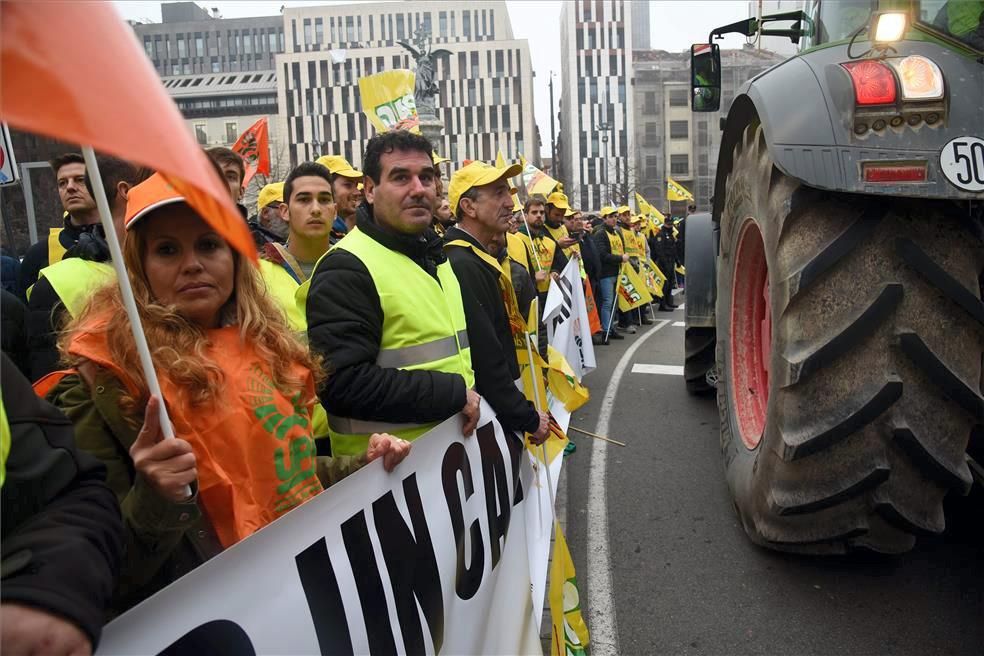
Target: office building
(190,40)
(671,141)
(485,85)
(640,26)
(596,120)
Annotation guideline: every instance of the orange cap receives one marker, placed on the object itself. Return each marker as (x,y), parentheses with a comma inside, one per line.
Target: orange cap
(152,193)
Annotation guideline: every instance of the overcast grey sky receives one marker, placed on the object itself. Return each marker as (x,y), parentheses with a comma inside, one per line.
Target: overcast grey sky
(674,25)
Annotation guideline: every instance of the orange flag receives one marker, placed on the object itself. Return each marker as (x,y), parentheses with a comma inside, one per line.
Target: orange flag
(592,308)
(254,147)
(73,71)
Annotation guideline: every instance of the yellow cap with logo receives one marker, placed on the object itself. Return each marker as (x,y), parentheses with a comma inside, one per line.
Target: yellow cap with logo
(606,211)
(623,208)
(477,174)
(558,200)
(338,165)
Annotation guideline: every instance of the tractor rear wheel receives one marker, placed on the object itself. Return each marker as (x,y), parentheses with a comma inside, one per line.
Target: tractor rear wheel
(849,352)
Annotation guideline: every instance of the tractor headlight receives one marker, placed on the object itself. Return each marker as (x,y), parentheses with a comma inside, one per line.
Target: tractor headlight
(888,27)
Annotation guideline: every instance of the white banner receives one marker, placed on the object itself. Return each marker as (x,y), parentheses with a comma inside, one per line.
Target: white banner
(566,316)
(435,557)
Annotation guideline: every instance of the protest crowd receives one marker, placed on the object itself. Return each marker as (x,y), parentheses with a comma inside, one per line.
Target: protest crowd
(384,302)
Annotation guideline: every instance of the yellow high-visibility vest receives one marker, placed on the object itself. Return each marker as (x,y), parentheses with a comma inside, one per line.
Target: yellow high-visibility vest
(55,249)
(76,280)
(424,329)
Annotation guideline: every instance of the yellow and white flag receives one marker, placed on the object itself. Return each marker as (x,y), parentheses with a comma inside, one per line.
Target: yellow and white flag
(387,100)
(654,278)
(632,292)
(676,191)
(569,635)
(535,180)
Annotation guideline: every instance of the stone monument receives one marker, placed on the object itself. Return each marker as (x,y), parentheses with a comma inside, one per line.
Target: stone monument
(425,88)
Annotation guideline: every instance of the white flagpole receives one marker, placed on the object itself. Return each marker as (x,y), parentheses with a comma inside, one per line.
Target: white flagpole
(611,318)
(536,404)
(129,303)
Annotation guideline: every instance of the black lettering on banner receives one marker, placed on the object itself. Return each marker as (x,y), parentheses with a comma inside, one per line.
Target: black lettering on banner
(565,308)
(515,445)
(496,490)
(324,600)
(355,535)
(412,566)
(215,637)
(467,579)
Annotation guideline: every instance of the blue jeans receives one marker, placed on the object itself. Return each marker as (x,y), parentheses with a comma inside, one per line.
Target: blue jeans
(606,298)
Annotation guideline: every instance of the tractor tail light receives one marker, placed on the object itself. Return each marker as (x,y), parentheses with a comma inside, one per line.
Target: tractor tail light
(894,171)
(874,82)
(920,78)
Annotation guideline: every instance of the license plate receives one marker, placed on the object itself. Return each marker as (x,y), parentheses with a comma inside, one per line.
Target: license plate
(962,162)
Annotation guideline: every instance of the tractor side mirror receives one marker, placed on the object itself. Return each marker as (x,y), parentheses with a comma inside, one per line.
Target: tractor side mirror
(705,77)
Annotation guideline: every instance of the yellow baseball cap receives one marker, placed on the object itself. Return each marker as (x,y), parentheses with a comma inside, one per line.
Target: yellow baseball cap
(606,210)
(272,193)
(623,208)
(569,212)
(477,174)
(636,219)
(438,159)
(338,165)
(558,200)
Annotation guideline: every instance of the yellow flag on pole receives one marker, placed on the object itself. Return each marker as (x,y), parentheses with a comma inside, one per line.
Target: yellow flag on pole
(676,191)
(654,278)
(632,292)
(563,383)
(569,634)
(500,161)
(535,180)
(387,100)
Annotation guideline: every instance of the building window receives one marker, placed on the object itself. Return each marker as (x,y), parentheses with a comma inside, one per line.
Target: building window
(148,46)
(400,34)
(442,23)
(471,93)
(232,132)
(506,124)
(591,38)
(474,65)
(182,49)
(652,163)
(594,144)
(187,69)
(649,106)
(319,31)
(679,129)
(652,134)
(176,70)
(679,98)
(248,40)
(350,29)
(496,92)
(500,64)
(272,45)
(466,24)
(680,165)
(216,66)
(201,134)
(199,46)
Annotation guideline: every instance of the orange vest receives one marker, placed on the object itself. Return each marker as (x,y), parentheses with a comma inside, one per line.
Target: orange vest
(253,445)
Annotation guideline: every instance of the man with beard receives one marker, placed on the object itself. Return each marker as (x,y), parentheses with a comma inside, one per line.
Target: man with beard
(266,225)
(385,309)
(346,187)
(479,195)
(544,247)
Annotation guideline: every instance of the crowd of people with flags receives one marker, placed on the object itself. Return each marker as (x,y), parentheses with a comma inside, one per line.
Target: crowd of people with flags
(219,368)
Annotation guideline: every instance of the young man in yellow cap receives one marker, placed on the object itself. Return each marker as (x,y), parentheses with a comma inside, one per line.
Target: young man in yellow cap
(266,225)
(480,198)
(346,187)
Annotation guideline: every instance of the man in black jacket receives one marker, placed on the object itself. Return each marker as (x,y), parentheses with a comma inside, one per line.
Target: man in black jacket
(61,527)
(346,322)
(81,217)
(480,199)
(611,252)
(666,261)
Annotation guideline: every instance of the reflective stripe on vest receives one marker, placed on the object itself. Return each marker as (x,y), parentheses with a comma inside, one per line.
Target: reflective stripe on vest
(424,329)
(55,249)
(75,281)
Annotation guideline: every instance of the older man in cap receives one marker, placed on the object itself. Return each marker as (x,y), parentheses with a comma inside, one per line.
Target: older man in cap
(266,225)
(480,198)
(346,188)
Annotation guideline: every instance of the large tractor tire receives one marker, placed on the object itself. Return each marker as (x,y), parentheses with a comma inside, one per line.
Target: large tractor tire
(850,333)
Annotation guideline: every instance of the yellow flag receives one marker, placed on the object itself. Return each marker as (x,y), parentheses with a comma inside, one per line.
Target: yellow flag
(632,292)
(563,383)
(535,180)
(676,191)
(500,161)
(569,635)
(387,100)
(654,278)
(642,205)
(682,270)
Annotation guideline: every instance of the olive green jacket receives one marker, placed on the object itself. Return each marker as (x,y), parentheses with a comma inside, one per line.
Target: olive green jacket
(164,540)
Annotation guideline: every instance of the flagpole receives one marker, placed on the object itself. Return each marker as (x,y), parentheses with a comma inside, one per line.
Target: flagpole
(536,404)
(611,317)
(126,291)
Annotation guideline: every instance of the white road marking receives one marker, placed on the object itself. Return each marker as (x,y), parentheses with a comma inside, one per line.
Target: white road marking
(676,291)
(665,369)
(678,324)
(601,608)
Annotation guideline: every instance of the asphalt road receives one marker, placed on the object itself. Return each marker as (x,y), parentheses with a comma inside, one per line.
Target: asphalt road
(685,580)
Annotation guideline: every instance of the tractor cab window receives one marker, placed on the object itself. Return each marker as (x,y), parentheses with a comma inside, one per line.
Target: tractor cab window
(959,19)
(837,20)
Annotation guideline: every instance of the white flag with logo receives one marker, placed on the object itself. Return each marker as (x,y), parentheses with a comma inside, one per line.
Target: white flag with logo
(566,316)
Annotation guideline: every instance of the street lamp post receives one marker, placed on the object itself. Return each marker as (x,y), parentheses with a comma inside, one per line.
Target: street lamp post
(604,127)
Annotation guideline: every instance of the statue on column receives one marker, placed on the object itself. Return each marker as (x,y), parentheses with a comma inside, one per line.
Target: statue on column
(425,88)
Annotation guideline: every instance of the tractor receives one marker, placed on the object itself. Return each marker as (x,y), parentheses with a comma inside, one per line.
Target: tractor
(834,291)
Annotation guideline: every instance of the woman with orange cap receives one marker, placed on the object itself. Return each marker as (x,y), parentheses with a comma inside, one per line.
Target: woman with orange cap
(239,389)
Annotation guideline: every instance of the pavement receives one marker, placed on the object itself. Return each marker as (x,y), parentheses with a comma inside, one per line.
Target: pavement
(665,568)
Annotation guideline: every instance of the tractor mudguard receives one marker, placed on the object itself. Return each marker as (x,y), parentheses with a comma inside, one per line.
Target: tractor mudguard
(700,260)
